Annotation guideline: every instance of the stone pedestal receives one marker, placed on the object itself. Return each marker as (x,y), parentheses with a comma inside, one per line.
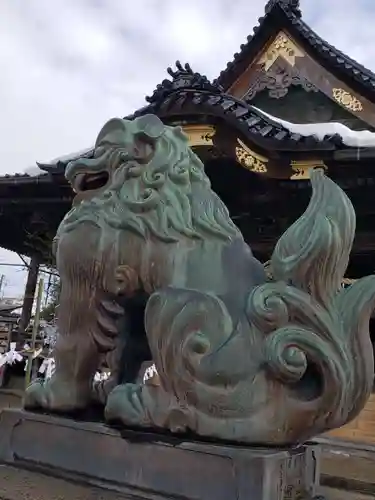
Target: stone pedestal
(147,465)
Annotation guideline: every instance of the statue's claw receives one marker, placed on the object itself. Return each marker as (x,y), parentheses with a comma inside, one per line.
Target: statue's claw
(55,395)
(125,405)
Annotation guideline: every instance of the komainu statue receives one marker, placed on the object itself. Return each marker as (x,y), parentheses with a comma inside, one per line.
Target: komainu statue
(153,268)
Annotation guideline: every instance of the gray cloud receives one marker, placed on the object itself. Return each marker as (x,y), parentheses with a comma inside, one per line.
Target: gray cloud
(69,65)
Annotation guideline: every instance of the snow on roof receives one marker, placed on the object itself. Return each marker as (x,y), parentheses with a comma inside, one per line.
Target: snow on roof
(34,171)
(351,138)
(68,157)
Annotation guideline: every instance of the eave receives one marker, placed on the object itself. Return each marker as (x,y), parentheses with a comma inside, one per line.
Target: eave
(31,207)
(57,166)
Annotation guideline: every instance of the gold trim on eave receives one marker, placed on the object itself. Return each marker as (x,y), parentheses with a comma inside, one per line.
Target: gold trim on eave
(282,46)
(347,100)
(249,159)
(302,168)
(199,135)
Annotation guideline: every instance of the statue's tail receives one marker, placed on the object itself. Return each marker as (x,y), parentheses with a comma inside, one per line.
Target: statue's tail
(298,361)
(326,327)
(354,306)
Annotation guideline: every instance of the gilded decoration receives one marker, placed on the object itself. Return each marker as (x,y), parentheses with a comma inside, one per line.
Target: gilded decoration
(202,135)
(302,169)
(283,47)
(199,135)
(250,160)
(346,100)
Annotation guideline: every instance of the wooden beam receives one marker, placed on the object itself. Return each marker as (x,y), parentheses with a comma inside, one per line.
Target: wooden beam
(29,369)
(32,279)
(26,264)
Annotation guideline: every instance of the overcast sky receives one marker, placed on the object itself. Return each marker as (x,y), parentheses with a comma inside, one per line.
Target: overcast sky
(66,66)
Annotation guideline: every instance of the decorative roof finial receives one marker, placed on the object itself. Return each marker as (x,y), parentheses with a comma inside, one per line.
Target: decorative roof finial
(182,78)
(288,5)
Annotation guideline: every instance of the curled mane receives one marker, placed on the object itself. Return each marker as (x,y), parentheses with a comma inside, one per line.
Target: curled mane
(168,197)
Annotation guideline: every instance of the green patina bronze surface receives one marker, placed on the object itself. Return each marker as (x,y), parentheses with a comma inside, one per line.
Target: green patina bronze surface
(239,357)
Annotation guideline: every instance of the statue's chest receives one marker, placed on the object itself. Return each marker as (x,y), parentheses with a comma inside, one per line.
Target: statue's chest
(78,248)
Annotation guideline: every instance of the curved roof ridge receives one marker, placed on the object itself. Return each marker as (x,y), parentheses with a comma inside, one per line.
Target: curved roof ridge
(291,5)
(315,39)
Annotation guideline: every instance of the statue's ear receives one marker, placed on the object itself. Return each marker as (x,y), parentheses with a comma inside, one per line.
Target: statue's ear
(112,134)
(150,126)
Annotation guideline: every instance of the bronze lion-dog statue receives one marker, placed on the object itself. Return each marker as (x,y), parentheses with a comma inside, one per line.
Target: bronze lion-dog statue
(152,267)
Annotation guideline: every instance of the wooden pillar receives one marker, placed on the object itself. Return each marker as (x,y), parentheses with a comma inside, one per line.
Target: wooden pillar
(31,283)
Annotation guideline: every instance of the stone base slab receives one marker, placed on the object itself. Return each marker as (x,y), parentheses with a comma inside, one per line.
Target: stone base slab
(148,465)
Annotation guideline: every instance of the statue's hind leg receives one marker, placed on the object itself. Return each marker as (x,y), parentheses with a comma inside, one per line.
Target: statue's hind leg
(147,403)
(125,398)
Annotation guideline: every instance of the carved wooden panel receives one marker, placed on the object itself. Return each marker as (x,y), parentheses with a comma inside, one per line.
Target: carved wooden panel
(277,80)
(283,63)
(281,48)
(299,106)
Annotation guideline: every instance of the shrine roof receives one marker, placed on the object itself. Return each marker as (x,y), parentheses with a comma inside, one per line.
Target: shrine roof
(190,96)
(286,14)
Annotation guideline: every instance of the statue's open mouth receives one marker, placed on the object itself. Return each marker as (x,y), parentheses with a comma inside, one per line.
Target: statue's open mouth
(90,181)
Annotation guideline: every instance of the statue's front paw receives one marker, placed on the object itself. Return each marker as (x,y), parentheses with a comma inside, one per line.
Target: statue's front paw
(36,395)
(125,405)
(55,395)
